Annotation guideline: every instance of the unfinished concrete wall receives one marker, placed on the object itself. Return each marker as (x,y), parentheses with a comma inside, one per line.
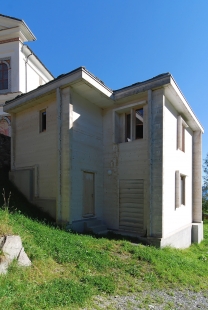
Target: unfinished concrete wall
(36,150)
(174,159)
(123,161)
(86,147)
(156,175)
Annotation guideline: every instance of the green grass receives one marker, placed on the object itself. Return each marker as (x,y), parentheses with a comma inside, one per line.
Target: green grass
(69,269)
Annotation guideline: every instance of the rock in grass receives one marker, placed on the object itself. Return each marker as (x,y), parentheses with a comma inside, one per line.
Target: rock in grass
(11,248)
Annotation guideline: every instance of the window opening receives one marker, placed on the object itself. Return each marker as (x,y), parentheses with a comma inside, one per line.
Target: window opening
(182,180)
(3,76)
(183,139)
(128,127)
(139,124)
(42,121)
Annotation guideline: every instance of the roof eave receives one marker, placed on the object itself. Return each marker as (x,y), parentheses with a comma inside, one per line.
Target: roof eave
(142,87)
(69,79)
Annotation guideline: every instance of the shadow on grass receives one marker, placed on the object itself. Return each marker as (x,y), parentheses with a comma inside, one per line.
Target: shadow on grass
(18,202)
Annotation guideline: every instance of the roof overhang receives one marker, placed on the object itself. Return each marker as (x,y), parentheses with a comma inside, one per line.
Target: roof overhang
(177,99)
(12,28)
(80,80)
(90,87)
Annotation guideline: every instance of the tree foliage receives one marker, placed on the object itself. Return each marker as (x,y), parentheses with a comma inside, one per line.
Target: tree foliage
(205,186)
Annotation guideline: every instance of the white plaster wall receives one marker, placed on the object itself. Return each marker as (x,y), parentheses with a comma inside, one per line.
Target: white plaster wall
(87,153)
(35,148)
(173,159)
(11,50)
(128,160)
(31,72)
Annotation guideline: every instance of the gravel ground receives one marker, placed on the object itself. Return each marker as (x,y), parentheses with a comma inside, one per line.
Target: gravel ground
(154,300)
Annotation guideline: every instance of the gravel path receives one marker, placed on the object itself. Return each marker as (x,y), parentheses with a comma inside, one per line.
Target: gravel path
(154,300)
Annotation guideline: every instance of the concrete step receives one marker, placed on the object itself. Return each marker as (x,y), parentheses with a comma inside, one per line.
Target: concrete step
(102,232)
(97,229)
(95,226)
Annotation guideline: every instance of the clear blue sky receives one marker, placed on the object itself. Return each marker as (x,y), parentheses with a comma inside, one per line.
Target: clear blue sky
(124,41)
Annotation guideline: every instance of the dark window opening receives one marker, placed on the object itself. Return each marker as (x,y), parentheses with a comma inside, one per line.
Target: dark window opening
(128,127)
(183,139)
(182,179)
(43,121)
(139,124)
(3,76)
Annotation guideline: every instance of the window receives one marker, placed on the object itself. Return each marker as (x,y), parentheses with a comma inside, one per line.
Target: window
(139,124)
(42,120)
(181,133)
(180,189)
(134,125)
(128,122)
(182,185)
(4,75)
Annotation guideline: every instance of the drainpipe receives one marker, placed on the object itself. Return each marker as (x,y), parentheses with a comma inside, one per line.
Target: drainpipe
(59,183)
(150,159)
(26,61)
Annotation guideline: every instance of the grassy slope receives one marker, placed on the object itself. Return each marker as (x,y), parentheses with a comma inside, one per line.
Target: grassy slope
(69,269)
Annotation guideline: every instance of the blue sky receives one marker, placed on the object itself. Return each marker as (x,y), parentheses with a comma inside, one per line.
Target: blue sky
(124,41)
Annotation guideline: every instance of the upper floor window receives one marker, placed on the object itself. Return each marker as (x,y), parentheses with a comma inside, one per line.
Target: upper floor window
(42,120)
(4,75)
(129,122)
(181,133)
(134,125)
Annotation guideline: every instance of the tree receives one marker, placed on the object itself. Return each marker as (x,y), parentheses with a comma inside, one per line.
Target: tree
(205,186)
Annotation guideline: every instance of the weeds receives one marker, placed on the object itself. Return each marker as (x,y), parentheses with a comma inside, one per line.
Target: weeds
(6,201)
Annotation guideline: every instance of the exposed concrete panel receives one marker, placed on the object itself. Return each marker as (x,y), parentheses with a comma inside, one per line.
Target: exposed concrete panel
(86,146)
(197,180)
(64,155)
(155,229)
(180,239)
(23,179)
(197,232)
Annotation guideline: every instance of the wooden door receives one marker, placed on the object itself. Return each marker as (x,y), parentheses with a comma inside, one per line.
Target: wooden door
(88,197)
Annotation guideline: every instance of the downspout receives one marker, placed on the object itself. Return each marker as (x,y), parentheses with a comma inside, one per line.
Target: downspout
(150,159)
(59,183)
(26,61)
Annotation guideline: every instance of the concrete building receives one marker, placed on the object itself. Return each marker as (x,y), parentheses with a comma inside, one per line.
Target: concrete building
(130,157)
(20,69)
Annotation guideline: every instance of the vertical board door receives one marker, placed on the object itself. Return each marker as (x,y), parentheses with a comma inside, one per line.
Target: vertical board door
(131,205)
(88,197)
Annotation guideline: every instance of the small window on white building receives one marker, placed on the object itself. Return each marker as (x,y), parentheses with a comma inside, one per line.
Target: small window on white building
(4,76)
(181,133)
(42,120)
(182,186)
(180,189)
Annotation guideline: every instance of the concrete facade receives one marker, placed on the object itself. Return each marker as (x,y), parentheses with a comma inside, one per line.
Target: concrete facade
(141,181)
(25,70)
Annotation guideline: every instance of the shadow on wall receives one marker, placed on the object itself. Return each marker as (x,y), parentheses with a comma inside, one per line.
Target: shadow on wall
(5,151)
(18,202)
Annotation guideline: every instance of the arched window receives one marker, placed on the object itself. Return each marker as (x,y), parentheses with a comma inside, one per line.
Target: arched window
(4,76)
